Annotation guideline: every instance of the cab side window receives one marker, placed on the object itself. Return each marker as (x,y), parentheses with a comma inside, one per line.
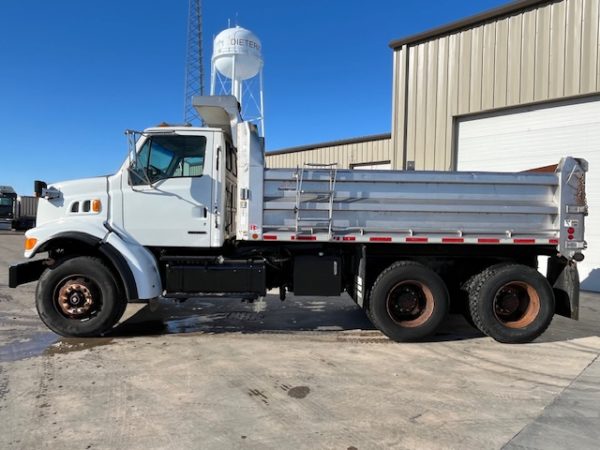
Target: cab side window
(169,156)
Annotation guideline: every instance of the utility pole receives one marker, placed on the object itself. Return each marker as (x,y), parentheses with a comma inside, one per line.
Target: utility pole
(194,67)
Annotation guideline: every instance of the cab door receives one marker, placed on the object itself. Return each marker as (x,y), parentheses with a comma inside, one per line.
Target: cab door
(168,191)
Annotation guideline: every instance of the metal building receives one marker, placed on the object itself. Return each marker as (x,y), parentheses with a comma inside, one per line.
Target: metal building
(367,152)
(510,89)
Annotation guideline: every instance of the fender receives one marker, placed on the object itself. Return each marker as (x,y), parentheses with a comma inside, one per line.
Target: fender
(135,265)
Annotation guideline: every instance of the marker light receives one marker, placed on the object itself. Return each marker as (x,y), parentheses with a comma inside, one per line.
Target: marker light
(571,230)
(96,205)
(30,243)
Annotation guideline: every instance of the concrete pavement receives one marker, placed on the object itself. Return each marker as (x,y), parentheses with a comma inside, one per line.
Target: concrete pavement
(302,374)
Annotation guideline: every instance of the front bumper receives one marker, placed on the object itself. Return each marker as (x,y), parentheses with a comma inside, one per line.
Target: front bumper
(25,272)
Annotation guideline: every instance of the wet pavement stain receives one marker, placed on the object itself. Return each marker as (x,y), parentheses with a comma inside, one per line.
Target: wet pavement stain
(35,345)
(299,392)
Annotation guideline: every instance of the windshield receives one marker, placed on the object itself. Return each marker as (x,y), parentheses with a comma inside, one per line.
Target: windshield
(6,206)
(169,156)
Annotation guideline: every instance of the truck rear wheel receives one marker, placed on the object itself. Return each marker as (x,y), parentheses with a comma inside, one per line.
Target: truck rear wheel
(79,297)
(408,301)
(511,303)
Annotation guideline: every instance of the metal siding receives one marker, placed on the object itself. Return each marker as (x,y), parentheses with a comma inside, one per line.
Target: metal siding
(540,54)
(442,104)
(598,55)
(411,104)
(573,47)
(513,81)
(398,107)
(344,155)
(464,72)
(557,50)
(489,62)
(589,46)
(476,75)
(528,61)
(421,110)
(501,66)
(430,134)
(452,102)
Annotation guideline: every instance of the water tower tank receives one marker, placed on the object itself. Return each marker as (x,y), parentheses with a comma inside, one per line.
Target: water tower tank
(237,49)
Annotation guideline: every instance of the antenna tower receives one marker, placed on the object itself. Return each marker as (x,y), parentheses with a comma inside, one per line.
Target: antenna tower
(194,67)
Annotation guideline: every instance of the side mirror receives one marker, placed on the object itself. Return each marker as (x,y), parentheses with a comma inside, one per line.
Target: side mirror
(38,187)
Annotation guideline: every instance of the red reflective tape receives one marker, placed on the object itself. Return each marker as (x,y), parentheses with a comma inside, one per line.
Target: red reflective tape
(417,239)
(524,241)
(488,240)
(306,238)
(553,241)
(269,237)
(455,240)
(349,238)
(380,239)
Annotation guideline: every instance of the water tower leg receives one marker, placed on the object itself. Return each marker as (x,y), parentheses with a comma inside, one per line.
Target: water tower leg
(213,78)
(262,104)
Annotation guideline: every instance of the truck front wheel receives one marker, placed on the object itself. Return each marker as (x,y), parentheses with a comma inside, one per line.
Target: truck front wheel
(79,297)
(408,301)
(511,303)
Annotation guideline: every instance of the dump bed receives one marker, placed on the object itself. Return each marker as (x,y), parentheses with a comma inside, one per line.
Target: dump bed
(324,203)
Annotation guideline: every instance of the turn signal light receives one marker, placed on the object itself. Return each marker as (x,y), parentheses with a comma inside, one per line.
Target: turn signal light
(30,243)
(96,205)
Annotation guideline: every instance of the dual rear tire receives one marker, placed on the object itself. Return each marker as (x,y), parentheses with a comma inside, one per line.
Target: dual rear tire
(408,302)
(511,303)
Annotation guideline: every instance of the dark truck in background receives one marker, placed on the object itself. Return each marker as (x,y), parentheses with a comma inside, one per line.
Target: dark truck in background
(16,211)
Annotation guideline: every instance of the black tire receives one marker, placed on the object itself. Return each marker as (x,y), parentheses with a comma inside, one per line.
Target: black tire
(511,303)
(464,307)
(367,311)
(408,301)
(79,297)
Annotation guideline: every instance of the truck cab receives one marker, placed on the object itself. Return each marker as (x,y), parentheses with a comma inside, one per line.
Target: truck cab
(8,197)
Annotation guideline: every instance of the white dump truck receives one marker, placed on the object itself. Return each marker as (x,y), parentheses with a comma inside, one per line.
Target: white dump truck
(193,212)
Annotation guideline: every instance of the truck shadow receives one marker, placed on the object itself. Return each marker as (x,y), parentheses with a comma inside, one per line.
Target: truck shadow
(297,315)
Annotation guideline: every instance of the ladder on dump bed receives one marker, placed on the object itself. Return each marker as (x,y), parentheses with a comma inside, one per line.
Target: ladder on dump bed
(327,193)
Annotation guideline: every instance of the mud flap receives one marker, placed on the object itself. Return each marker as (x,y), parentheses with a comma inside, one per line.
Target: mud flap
(564,279)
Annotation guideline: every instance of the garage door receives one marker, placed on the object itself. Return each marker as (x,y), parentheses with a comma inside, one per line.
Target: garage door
(524,139)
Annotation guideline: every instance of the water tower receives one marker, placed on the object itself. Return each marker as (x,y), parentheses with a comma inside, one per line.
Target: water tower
(236,69)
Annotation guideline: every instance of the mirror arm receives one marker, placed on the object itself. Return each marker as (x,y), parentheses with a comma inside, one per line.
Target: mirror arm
(131,144)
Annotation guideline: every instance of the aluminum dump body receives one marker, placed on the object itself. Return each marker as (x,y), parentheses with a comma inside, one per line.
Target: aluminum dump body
(421,206)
